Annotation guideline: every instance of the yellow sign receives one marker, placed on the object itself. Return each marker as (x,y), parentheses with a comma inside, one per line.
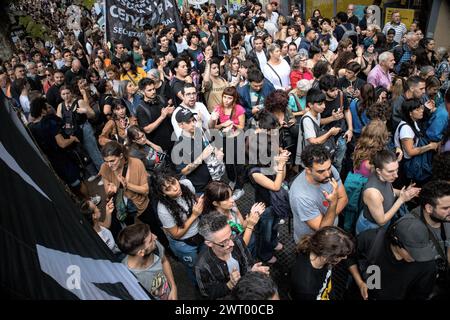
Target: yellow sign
(407,16)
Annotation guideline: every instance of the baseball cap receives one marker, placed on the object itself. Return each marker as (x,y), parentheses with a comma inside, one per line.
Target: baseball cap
(184,115)
(413,235)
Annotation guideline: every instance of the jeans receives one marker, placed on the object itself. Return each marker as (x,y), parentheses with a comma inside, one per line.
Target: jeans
(234,167)
(186,254)
(266,234)
(363,224)
(90,145)
(341,148)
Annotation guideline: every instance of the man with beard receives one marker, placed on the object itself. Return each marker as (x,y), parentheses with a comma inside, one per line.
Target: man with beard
(317,195)
(434,211)
(53,95)
(154,116)
(147,261)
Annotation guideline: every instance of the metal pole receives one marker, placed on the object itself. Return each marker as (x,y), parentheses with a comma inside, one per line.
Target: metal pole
(334,7)
(432,20)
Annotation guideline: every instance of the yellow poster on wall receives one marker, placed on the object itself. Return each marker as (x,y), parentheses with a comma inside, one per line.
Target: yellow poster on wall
(407,16)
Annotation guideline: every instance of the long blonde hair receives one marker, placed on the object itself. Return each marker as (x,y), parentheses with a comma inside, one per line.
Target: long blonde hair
(374,138)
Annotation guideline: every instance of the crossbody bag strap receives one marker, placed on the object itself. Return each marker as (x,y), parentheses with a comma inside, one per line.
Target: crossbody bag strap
(279,78)
(432,236)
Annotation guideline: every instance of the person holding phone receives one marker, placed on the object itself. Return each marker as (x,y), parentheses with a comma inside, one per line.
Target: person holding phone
(336,109)
(266,179)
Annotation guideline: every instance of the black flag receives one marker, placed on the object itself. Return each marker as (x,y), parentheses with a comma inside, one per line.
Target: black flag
(48,250)
(126,18)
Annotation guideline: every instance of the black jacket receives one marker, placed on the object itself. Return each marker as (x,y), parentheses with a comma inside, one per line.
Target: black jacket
(212,273)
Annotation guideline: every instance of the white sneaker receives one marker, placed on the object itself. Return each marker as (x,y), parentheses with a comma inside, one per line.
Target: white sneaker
(232,184)
(92,178)
(238,193)
(100,183)
(282,221)
(96,199)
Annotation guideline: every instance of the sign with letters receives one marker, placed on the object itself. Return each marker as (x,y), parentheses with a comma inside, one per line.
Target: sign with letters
(126,18)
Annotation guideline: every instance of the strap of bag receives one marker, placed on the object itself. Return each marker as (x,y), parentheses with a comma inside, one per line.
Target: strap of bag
(281,82)
(131,79)
(432,236)
(297,101)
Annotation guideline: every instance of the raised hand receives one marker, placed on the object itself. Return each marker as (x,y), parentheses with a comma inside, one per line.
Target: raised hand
(333,196)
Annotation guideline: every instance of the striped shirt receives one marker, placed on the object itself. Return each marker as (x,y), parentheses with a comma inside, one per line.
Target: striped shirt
(400,30)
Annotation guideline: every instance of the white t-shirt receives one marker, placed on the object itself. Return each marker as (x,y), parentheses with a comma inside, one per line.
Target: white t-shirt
(270,27)
(24,103)
(308,126)
(248,45)
(261,58)
(296,41)
(406,132)
(203,116)
(279,72)
(108,238)
(168,221)
(181,46)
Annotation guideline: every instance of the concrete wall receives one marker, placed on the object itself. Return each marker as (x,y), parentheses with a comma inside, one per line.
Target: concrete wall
(441,34)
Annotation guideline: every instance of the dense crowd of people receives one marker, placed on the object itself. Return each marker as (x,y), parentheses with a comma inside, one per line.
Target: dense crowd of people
(338,124)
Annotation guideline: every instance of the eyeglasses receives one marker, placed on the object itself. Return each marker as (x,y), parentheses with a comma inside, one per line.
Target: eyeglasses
(226,242)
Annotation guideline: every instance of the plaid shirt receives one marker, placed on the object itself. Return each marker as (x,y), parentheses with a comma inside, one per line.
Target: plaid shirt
(212,273)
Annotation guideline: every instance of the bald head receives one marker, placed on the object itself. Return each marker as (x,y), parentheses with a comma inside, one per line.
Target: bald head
(76,65)
(412,40)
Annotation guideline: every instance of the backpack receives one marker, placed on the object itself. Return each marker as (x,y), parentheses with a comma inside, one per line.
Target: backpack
(330,144)
(419,167)
(349,33)
(279,200)
(354,185)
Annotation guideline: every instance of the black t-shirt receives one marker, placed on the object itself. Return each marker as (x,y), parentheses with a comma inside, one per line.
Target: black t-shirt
(261,194)
(196,56)
(70,75)
(148,112)
(335,105)
(188,149)
(164,91)
(176,86)
(400,280)
(53,96)
(308,283)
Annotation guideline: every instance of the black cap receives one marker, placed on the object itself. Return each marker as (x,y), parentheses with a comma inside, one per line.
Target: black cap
(184,115)
(413,234)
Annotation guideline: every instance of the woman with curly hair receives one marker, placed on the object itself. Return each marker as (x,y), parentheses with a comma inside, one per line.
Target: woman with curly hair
(179,210)
(374,137)
(277,104)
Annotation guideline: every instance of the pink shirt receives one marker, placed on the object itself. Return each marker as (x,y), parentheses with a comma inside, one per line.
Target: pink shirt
(238,111)
(378,78)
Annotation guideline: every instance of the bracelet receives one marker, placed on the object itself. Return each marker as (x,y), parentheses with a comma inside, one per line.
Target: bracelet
(249,228)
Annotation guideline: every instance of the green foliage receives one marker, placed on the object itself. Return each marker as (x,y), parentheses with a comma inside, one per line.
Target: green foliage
(35,30)
(88,3)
